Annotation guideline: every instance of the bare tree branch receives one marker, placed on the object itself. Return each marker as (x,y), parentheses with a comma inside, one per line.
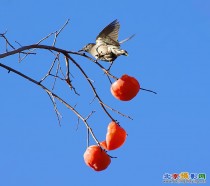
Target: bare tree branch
(56,33)
(55,108)
(55,96)
(51,67)
(62,75)
(91,85)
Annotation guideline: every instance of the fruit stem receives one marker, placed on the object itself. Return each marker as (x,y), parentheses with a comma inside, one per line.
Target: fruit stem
(148,90)
(111,156)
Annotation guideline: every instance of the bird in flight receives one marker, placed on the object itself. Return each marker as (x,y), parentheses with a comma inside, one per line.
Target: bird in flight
(107,47)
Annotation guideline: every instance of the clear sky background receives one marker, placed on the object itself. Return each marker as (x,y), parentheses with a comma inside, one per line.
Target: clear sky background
(169,54)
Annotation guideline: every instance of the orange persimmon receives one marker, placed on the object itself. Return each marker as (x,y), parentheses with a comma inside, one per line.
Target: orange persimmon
(115,137)
(125,88)
(96,158)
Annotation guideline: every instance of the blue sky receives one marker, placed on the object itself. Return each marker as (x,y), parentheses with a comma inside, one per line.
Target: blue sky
(170,130)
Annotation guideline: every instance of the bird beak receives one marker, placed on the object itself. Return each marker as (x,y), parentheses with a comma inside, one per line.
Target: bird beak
(81,50)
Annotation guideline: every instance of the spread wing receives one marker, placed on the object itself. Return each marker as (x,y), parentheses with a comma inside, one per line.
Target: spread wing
(109,35)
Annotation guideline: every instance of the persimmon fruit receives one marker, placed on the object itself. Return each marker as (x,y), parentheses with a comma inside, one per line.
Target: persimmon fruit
(96,158)
(103,144)
(115,136)
(125,88)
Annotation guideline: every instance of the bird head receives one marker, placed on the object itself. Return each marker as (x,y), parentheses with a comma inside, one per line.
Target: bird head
(87,47)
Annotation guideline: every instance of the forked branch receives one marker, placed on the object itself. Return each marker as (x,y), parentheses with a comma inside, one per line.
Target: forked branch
(53,95)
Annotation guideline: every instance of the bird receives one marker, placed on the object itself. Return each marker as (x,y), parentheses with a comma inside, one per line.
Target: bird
(107,47)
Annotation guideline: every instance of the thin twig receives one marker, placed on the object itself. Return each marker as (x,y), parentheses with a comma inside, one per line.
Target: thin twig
(77,123)
(67,72)
(92,112)
(46,37)
(59,117)
(91,85)
(88,137)
(68,81)
(56,33)
(92,100)
(54,95)
(23,52)
(56,76)
(88,130)
(60,69)
(124,115)
(7,41)
(109,79)
(51,67)
(149,90)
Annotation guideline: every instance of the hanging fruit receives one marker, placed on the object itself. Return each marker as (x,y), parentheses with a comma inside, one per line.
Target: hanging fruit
(125,88)
(96,158)
(115,137)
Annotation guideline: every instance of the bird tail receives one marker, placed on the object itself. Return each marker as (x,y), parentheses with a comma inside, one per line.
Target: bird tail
(123,41)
